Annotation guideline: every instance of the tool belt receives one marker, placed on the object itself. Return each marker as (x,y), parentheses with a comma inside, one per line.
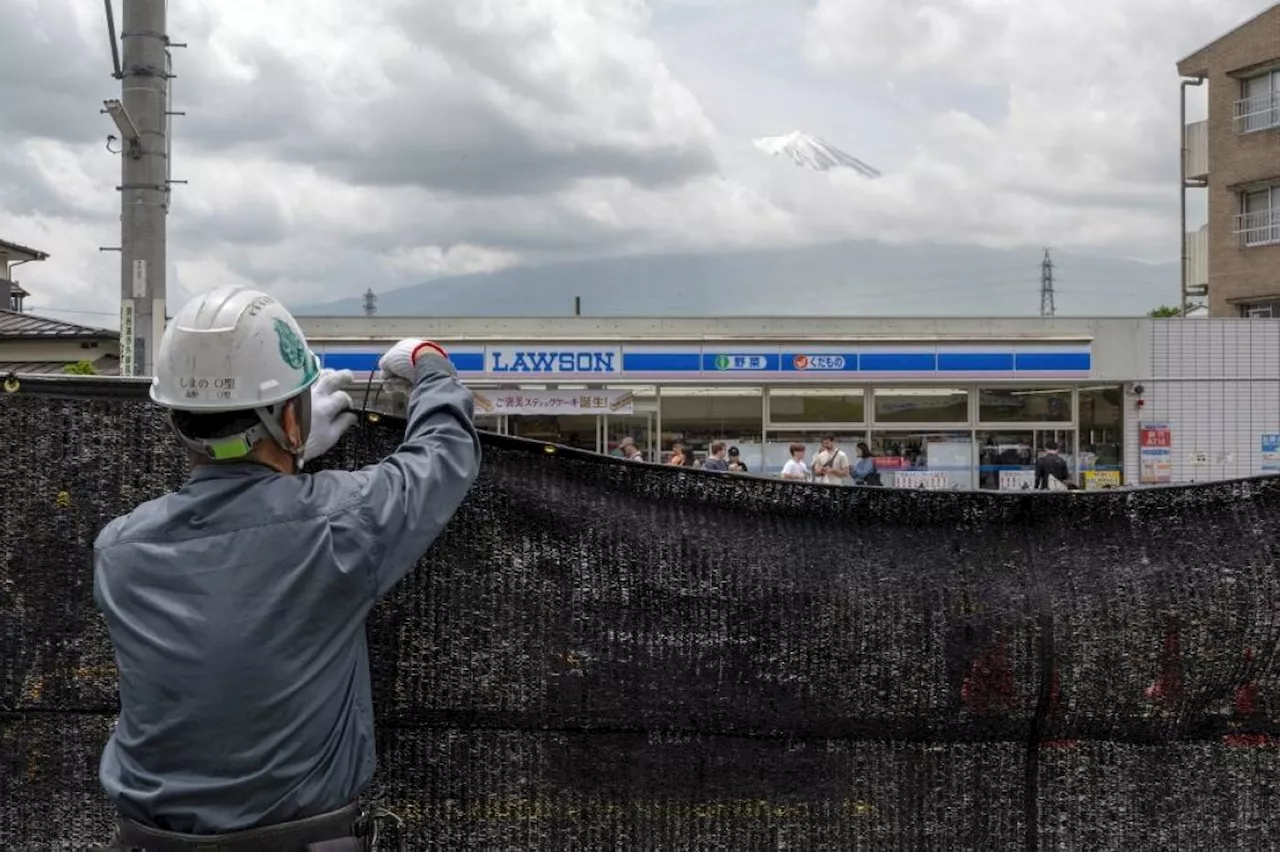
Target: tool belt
(345,830)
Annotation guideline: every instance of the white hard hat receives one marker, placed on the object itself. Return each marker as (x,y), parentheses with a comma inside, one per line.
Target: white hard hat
(233,349)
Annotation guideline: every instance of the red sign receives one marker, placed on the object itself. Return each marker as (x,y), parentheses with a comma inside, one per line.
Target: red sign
(1154,436)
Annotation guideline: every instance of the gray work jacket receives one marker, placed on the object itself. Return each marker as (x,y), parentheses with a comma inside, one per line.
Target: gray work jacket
(237,609)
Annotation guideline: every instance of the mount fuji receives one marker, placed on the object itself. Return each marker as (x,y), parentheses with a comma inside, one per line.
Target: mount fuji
(809,151)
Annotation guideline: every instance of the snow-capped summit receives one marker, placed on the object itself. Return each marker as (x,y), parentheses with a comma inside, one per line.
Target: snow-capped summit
(810,151)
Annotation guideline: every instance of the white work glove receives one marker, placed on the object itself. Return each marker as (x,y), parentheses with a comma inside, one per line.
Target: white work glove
(331,413)
(397,363)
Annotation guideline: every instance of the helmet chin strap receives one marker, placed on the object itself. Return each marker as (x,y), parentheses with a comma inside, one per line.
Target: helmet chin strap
(241,444)
(270,418)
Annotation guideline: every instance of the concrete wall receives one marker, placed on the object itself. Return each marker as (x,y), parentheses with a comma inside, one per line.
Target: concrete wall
(1217,384)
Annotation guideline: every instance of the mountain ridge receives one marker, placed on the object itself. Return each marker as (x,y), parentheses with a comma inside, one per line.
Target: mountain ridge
(860,278)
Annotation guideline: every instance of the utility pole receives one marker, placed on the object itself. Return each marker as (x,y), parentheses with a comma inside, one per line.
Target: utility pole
(1046,285)
(370,302)
(142,115)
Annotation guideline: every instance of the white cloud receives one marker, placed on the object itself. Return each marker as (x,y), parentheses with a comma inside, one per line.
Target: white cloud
(1090,86)
(423,262)
(331,147)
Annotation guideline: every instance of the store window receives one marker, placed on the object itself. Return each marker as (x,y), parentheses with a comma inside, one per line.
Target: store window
(777,448)
(534,411)
(1007,457)
(935,460)
(697,416)
(570,430)
(1024,405)
(632,413)
(922,405)
(1101,458)
(816,405)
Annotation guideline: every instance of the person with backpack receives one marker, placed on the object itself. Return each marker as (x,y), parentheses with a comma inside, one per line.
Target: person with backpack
(864,469)
(1051,470)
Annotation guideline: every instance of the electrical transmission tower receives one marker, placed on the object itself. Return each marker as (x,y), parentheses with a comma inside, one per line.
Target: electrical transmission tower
(1046,285)
(370,302)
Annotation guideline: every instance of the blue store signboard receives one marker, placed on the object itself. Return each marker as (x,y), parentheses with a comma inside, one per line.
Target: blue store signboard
(517,361)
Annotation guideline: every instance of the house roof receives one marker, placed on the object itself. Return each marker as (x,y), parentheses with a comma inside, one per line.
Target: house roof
(107,365)
(16,326)
(16,248)
(1198,53)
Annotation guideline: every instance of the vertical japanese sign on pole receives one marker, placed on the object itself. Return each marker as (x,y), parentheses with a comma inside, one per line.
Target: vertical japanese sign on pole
(127,364)
(1270,453)
(1155,453)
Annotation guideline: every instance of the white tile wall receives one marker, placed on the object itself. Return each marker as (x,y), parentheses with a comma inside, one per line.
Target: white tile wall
(1217,384)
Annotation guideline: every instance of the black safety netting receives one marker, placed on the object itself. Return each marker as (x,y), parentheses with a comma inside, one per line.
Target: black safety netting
(599,654)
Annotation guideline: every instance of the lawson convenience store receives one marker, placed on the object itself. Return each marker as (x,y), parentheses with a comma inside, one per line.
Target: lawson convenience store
(939,409)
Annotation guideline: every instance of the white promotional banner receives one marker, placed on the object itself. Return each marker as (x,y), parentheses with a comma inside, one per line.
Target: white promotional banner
(543,402)
(1017,480)
(928,480)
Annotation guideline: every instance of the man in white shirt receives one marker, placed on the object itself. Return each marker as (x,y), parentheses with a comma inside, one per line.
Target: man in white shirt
(830,465)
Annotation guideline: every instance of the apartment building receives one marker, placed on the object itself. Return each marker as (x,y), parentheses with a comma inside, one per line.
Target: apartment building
(1234,156)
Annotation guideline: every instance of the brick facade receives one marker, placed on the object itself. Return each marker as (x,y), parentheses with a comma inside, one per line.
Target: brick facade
(1238,275)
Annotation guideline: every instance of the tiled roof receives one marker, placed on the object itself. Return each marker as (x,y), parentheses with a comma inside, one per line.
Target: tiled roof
(5,244)
(107,365)
(16,326)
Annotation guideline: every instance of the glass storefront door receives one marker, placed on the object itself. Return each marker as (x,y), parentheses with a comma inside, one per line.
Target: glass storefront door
(941,460)
(1007,457)
(638,427)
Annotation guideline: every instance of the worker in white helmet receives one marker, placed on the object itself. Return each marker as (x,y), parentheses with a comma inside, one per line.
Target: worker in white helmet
(237,604)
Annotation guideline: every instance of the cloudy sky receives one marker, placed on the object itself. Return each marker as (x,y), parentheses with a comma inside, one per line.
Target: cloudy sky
(331,145)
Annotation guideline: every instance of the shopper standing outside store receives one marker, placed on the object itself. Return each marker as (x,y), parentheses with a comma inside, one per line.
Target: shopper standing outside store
(795,468)
(864,469)
(630,451)
(716,461)
(831,464)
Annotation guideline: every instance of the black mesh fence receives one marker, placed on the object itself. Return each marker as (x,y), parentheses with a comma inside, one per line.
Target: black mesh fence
(602,655)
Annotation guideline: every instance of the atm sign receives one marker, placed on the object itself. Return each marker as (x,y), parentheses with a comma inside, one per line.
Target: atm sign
(819,362)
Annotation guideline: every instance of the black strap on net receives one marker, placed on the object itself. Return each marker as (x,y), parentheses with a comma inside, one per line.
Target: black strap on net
(621,655)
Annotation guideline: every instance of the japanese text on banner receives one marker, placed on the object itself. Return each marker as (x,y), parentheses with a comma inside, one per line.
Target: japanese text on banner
(544,402)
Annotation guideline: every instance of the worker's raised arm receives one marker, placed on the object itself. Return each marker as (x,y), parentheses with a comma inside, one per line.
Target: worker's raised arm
(402,503)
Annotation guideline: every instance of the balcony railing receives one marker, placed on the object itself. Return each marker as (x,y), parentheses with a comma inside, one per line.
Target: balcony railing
(1198,262)
(1196,140)
(1260,112)
(1258,229)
